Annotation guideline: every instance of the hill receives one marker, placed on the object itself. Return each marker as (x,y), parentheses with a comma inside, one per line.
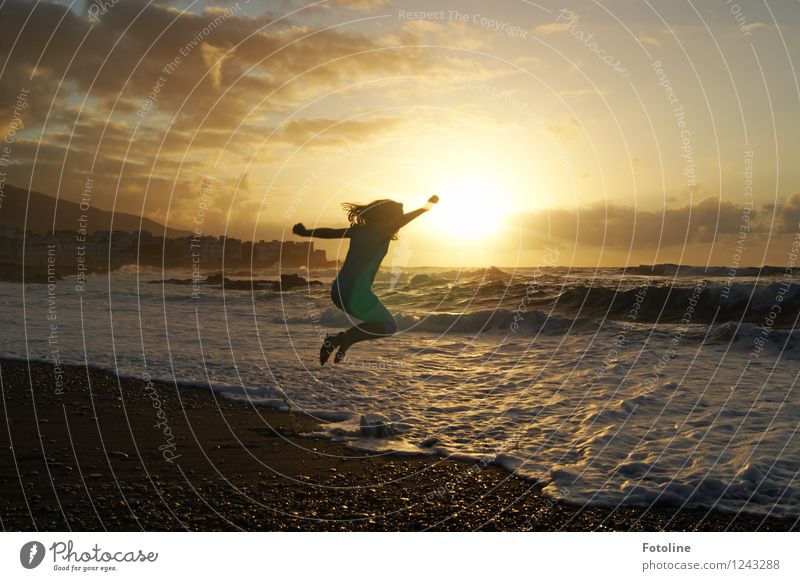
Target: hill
(42,209)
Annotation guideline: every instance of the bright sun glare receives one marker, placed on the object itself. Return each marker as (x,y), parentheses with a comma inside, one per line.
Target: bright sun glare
(472,205)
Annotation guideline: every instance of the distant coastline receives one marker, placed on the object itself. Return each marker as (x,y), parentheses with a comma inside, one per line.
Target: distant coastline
(48,258)
(79,253)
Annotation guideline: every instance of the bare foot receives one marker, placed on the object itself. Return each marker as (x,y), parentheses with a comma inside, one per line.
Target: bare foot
(329,345)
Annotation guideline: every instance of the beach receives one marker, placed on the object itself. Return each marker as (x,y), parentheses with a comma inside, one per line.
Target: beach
(559,376)
(101,452)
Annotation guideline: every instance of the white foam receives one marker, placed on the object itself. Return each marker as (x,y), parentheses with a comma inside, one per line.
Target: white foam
(553,400)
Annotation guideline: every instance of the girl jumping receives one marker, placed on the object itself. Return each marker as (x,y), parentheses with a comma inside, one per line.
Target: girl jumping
(372,227)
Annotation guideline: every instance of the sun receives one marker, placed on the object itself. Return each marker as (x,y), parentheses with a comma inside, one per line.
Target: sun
(472,205)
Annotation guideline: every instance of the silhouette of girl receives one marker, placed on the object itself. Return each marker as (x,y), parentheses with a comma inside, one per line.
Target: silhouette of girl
(372,227)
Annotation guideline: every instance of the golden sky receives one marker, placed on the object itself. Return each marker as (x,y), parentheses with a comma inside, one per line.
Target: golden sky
(617,132)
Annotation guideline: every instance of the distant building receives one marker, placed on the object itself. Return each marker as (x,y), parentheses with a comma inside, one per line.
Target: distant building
(319,259)
(266,253)
(232,248)
(105,248)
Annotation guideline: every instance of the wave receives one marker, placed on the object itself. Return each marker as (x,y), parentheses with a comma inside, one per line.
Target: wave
(436,302)
(426,279)
(755,338)
(752,338)
(706,302)
(484,321)
(683,270)
(699,301)
(487,321)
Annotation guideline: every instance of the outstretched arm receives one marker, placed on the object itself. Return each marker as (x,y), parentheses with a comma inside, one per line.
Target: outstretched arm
(301,230)
(415,214)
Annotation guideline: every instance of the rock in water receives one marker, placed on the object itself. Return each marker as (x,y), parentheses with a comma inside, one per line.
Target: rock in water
(376,426)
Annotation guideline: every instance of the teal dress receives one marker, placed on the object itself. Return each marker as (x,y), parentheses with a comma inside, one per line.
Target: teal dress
(352,289)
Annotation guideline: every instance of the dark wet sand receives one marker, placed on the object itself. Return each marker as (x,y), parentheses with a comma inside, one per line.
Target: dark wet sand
(89,459)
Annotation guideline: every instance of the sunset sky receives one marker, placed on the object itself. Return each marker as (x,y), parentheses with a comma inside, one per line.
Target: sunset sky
(622,131)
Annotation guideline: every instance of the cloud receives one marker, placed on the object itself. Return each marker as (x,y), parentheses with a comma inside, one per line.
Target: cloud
(332,132)
(578,94)
(620,227)
(787,214)
(567,129)
(449,33)
(649,40)
(551,28)
(215,82)
(361,5)
(213,57)
(758,26)
(121,58)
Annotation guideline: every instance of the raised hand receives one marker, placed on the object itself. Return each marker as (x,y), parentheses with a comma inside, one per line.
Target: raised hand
(299,229)
(433,199)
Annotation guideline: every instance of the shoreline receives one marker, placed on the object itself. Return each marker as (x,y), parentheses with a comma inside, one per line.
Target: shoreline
(107,453)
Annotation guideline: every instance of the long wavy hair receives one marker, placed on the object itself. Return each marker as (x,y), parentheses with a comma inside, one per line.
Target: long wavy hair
(377,212)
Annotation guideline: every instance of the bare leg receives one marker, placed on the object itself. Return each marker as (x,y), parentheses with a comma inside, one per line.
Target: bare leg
(362,332)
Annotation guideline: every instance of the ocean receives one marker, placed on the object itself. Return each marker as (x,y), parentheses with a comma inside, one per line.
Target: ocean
(608,387)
